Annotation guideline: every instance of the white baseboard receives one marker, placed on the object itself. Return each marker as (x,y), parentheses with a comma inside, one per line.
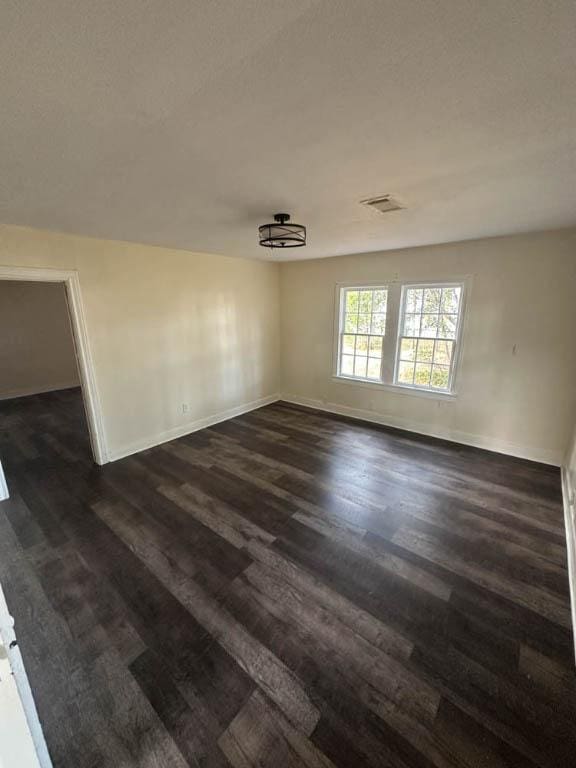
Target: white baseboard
(189,427)
(476,441)
(570,522)
(27,391)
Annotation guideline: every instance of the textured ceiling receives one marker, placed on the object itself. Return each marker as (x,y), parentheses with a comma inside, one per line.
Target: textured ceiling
(187,123)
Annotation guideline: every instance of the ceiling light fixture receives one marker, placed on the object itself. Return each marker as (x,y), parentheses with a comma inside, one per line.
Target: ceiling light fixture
(282,234)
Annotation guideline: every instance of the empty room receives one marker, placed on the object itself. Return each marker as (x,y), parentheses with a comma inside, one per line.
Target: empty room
(288,384)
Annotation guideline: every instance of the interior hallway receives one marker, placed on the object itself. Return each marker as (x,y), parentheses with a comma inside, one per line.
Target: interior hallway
(286,589)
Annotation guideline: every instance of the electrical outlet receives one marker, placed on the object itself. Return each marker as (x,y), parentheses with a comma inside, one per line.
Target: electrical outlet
(185,407)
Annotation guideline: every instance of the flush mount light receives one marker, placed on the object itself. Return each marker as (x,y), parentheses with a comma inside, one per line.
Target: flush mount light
(282,234)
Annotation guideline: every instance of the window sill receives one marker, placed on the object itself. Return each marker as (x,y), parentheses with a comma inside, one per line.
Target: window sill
(398,389)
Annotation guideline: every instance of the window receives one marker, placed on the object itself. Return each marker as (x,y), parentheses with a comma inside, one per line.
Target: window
(404,335)
(362,329)
(429,325)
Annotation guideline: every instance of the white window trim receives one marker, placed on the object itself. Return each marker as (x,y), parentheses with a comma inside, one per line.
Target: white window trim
(340,288)
(457,338)
(396,298)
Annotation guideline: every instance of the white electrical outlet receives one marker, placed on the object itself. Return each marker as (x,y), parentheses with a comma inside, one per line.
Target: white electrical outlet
(185,408)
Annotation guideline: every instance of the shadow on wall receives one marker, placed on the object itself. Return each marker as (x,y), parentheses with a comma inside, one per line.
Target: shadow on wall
(36,344)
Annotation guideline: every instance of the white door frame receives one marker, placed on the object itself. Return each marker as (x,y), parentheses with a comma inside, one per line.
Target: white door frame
(81,343)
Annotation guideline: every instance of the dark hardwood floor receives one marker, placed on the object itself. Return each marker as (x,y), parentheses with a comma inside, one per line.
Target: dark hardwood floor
(286,589)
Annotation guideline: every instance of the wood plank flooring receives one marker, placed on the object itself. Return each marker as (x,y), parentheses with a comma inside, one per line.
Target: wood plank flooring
(286,589)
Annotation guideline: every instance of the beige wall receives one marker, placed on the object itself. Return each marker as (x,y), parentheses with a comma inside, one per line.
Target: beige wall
(522,298)
(166,328)
(36,346)
(170,327)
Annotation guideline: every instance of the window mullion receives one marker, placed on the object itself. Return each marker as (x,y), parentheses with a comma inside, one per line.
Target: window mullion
(390,340)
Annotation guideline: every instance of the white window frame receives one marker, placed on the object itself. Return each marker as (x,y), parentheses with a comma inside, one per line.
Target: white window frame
(391,343)
(341,293)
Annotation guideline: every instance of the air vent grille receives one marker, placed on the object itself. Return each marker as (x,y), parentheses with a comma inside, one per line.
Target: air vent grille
(383,204)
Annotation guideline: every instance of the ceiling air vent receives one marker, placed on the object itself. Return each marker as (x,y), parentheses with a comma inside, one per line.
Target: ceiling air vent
(383,204)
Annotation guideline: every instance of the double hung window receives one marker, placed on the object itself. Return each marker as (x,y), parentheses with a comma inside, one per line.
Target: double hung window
(406,335)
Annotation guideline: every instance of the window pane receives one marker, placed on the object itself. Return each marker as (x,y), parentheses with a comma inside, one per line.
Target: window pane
(375,346)
(422,374)
(348,345)
(407,349)
(364,323)
(366,302)
(351,324)
(425,351)
(414,300)
(429,327)
(352,302)
(440,376)
(411,325)
(450,300)
(373,368)
(360,366)
(362,328)
(406,373)
(379,301)
(347,365)
(431,300)
(443,352)
(447,326)
(361,345)
(378,323)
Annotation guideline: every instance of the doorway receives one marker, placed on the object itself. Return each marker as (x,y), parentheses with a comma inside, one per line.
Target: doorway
(46,379)
(81,347)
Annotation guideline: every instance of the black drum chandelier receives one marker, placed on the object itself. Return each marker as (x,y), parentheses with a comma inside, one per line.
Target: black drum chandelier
(282,234)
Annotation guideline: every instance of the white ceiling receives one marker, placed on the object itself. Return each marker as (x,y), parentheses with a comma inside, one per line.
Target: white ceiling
(188,123)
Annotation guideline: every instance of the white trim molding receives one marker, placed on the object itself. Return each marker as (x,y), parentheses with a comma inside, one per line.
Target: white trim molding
(191,426)
(28,740)
(4,493)
(91,397)
(570,523)
(456,436)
